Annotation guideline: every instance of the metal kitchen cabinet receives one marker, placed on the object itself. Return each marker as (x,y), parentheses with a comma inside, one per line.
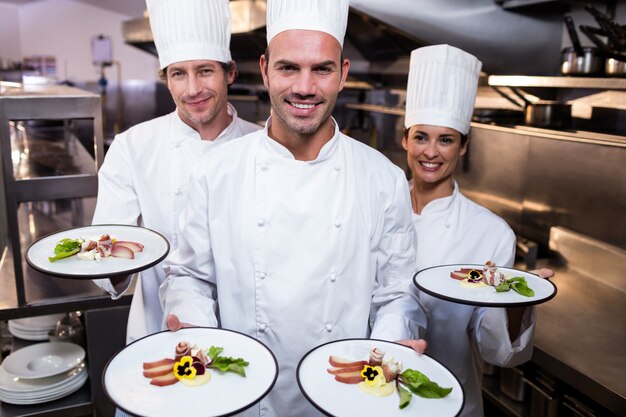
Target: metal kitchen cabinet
(27,113)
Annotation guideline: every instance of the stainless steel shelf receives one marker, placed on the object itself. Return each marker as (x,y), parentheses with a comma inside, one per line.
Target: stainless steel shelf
(557,82)
(376,108)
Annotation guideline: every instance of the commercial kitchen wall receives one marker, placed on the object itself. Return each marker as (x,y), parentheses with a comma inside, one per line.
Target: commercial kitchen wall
(9,34)
(63,29)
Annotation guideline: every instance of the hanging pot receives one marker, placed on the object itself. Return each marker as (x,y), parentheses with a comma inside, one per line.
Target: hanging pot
(576,60)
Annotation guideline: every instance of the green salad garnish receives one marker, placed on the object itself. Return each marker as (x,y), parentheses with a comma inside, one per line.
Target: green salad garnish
(419,384)
(517,284)
(225,363)
(66,248)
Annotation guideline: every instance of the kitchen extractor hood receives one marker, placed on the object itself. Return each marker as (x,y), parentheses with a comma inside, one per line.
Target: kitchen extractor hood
(378,52)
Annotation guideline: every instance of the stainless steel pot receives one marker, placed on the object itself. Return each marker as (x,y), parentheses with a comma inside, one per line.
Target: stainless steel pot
(588,61)
(576,60)
(548,114)
(615,68)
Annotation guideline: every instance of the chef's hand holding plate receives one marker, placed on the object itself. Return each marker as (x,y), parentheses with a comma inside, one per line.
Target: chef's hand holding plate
(418,345)
(543,273)
(173,323)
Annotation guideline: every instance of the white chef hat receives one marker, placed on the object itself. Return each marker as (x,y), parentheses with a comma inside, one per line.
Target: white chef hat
(442,86)
(330,16)
(190,30)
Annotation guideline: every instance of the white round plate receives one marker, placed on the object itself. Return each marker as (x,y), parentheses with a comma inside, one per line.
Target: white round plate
(37,323)
(436,281)
(337,399)
(74,386)
(43,359)
(156,248)
(225,394)
(19,386)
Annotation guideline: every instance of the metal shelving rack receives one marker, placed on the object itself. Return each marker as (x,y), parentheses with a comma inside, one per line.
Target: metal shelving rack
(42,103)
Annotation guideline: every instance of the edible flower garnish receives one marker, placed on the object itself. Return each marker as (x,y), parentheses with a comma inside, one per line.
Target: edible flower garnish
(184,368)
(474,276)
(373,375)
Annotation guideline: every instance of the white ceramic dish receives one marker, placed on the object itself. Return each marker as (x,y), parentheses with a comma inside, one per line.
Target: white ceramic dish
(35,323)
(347,400)
(43,359)
(42,397)
(19,386)
(436,281)
(225,394)
(156,248)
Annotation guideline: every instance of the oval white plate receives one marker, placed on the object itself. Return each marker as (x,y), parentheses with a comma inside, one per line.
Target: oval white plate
(347,400)
(43,359)
(225,394)
(156,248)
(436,281)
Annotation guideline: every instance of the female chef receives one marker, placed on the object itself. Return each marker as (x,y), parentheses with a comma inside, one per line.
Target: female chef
(451,228)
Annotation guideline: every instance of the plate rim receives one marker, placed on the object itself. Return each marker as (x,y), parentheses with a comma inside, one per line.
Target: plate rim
(38,345)
(319,408)
(270,387)
(103,275)
(481,303)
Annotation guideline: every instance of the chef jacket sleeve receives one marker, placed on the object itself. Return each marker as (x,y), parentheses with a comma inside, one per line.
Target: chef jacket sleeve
(493,340)
(189,290)
(396,310)
(117,201)
(490,325)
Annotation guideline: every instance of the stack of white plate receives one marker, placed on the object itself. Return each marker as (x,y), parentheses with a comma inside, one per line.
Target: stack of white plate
(42,372)
(34,328)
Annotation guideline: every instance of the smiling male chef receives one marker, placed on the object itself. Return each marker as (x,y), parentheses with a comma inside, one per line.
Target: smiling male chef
(302,235)
(145,174)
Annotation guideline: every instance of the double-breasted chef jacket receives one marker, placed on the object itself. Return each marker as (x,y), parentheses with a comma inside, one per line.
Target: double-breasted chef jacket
(143,181)
(296,253)
(453,230)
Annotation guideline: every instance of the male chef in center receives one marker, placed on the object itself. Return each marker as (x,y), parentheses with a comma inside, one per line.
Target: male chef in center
(300,235)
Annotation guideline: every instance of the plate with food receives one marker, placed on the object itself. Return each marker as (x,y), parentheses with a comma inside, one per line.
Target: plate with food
(97,251)
(353,377)
(195,371)
(484,285)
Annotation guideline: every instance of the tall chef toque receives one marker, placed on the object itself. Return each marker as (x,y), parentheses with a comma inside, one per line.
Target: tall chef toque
(330,16)
(442,86)
(190,30)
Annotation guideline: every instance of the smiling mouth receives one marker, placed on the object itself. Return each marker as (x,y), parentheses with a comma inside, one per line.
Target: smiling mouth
(430,165)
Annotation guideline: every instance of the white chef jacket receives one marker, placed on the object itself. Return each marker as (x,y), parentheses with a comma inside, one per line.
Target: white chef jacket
(454,230)
(296,253)
(143,181)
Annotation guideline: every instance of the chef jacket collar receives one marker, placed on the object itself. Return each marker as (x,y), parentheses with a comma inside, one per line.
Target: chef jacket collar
(277,149)
(191,133)
(440,205)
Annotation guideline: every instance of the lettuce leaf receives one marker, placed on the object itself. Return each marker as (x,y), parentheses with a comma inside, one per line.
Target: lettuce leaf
(66,248)
(420,384)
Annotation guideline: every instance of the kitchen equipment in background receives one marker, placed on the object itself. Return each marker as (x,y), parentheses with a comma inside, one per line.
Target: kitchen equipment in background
(57,383)
(576,60)
(34,328)
(574,408)
(69,329)
(512,383)
(615,67)
(549,114)
(544,399)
